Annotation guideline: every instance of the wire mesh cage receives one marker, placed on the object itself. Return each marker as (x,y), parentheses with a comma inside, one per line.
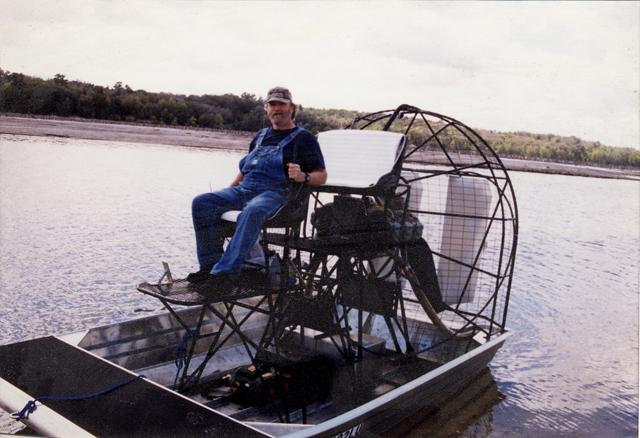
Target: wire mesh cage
(462,195)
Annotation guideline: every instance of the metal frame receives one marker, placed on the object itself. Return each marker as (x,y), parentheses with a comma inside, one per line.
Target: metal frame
(470,157)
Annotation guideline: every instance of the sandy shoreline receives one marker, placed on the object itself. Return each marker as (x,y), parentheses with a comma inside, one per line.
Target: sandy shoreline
(126,132)
(227,140)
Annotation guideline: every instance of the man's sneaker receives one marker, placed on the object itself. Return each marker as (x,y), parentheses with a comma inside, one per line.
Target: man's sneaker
(196,277)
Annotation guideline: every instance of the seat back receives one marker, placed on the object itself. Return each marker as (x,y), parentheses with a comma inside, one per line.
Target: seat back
(360,158)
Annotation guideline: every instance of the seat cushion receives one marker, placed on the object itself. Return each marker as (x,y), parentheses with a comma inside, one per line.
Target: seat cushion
(231,216)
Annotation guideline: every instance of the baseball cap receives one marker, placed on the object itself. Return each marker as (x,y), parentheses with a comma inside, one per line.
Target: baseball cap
(279,94)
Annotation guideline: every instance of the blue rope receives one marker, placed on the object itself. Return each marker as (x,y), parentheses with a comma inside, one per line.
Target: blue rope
(30,407)
(180,359)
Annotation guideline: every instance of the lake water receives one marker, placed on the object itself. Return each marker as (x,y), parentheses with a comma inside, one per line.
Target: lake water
(83,222)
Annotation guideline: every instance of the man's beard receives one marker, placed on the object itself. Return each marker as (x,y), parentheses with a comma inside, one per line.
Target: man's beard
(280,119)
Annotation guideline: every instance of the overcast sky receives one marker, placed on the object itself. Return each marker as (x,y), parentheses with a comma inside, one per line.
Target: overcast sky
(564,68)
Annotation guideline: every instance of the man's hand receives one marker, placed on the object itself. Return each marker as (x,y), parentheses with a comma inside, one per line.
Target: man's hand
(316,178)
(237,180)
(295,173)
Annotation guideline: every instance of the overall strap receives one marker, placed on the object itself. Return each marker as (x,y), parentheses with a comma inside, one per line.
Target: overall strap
(289,138)
(261,136)
(295,189)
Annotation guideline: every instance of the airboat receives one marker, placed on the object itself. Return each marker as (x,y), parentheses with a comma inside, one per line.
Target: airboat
(370,301)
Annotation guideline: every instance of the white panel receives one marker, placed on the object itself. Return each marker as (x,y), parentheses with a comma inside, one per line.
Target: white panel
(462,236)
(358,158)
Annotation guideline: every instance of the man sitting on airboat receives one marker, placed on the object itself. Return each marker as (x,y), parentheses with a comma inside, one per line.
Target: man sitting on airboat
(278,155)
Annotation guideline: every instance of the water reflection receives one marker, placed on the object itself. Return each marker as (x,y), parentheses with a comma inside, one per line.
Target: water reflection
(469,412)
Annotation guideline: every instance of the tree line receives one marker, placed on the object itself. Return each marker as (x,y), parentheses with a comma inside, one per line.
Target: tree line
(550,147)
(20,93)
(59,96)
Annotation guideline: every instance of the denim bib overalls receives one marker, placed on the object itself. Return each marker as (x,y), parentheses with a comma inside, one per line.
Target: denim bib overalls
(262,191)
(262,168)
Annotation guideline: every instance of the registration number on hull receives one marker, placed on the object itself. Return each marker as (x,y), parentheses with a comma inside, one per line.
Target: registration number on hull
(354,431)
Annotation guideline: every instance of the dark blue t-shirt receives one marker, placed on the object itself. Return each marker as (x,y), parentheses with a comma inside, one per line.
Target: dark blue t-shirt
(303,150)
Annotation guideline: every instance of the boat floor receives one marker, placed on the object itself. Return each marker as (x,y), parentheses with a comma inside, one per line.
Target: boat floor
(149,347)
(352,384)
